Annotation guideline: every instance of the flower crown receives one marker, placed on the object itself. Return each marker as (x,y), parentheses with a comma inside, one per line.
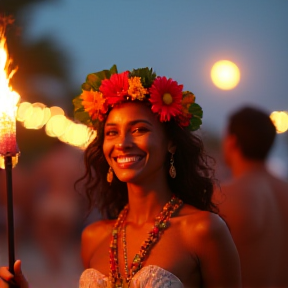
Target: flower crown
(102,90)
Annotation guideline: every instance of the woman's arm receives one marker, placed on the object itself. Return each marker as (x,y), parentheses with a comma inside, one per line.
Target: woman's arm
(217,253)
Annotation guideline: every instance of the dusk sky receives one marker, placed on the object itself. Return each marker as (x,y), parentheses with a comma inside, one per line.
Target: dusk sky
(182,40)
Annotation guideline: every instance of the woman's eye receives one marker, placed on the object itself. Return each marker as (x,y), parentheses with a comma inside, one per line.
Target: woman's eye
(110,133)
(140,130)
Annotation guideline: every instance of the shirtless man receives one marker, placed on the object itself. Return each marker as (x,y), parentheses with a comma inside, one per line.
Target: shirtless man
(255,203)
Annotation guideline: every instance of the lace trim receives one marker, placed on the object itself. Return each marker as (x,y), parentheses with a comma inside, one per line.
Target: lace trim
(151,276)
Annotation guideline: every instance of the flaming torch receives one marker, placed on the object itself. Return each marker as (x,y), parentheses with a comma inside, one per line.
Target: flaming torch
(8,147)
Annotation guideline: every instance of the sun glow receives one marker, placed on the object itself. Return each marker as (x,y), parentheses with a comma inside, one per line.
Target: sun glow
(225,75)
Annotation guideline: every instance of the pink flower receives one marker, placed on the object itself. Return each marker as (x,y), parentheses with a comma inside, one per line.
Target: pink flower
(115,89)
(166,96)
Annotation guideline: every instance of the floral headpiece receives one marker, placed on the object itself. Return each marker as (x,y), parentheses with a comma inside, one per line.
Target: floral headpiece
(102,90)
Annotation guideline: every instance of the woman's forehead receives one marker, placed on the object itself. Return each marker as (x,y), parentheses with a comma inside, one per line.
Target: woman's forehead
(131,111)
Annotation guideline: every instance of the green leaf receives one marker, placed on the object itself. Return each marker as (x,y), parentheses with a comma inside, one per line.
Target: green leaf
(195,123)
(77,102)
(147,76)
(195,110)
(113,69)
(93,80)
(197,113)
(81,116)
(86,86)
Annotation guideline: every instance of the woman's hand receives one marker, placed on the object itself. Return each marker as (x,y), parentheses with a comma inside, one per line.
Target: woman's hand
(6,277)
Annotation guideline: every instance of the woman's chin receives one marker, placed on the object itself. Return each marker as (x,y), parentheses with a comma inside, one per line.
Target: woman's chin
(129,176)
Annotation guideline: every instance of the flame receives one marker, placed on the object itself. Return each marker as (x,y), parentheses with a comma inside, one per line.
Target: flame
(9,100)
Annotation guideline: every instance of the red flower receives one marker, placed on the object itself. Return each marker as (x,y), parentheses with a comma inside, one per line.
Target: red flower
(166,96)
(115,88)
(183,120)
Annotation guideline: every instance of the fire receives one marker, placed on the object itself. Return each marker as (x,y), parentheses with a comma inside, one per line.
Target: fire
(32,116)
(9,100)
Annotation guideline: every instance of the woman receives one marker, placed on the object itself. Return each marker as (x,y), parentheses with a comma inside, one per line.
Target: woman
(158,181)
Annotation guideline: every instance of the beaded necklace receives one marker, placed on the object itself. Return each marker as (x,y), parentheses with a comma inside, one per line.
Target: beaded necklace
(161,223)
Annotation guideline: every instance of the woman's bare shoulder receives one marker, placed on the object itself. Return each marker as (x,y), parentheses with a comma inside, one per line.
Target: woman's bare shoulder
(203,224)
(192,213)
(99,228)
(93,236)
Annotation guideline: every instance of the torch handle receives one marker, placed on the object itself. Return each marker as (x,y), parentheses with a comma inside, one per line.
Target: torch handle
(10,216)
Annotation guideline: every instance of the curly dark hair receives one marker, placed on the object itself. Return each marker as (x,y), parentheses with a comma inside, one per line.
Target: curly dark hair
(193,184)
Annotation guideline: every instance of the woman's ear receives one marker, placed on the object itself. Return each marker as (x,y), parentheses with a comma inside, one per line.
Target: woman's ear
(171,147)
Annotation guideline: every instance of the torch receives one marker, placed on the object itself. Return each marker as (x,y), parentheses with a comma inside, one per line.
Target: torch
(8,147)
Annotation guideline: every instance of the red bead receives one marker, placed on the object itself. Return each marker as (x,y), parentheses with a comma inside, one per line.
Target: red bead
(155,230)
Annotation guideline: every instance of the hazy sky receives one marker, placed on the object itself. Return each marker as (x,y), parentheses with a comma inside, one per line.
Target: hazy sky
(180,39)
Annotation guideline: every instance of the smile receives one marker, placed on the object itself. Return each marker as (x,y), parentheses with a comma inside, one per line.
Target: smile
(128,159)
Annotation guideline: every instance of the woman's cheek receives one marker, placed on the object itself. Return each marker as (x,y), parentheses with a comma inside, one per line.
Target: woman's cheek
(107,151)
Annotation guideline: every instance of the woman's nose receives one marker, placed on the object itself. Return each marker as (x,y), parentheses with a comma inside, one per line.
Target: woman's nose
(124,143)
(119,145)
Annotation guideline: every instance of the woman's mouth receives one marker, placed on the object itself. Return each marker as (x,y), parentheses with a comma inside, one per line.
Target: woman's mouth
(128,159)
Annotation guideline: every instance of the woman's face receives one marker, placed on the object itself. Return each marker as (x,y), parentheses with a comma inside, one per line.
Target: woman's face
(135,145)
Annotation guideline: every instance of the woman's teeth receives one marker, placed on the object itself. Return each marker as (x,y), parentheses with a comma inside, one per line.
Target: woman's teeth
(128,159)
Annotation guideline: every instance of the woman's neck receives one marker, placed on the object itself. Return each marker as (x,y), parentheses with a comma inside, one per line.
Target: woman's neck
(145,203)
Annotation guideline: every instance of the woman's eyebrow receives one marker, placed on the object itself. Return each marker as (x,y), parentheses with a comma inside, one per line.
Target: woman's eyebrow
(140,121)
(134,122)
(110,124)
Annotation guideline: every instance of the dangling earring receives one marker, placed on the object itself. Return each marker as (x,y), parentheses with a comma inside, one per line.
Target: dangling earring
(172,170)
(110,175)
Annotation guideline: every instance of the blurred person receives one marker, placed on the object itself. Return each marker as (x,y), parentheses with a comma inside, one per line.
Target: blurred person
(254,203)
(147,171)
(57,207)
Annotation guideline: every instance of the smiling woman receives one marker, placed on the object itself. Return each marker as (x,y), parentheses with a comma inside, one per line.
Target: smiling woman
(145,135)
(135,145)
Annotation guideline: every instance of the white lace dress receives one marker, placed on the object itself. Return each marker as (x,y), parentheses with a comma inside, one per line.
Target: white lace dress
(148,277)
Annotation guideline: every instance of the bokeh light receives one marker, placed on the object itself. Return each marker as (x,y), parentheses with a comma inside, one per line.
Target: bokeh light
(56,125)
(280,120)
(55,110)
(25,109)
(225,75)
(37,115)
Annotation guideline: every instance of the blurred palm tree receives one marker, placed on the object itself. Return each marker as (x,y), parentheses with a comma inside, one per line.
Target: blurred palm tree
(42,74)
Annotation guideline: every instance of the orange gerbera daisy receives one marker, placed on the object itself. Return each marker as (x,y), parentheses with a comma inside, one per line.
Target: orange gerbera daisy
(116,88)
(166,96)
(187,100)
(93,103)
(136,89)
